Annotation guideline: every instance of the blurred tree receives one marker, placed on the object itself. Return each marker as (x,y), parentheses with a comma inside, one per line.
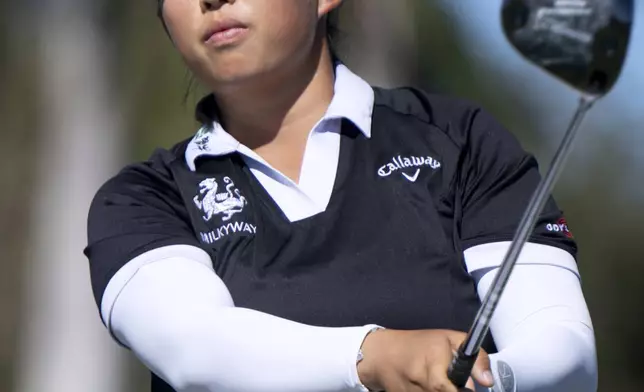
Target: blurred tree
(378,41)
(18,102)
(63,345)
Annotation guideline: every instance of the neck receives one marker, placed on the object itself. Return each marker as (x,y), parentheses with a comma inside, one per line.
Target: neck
(282,106)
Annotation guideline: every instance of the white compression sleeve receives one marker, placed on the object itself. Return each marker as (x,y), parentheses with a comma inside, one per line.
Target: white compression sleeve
(178,317)
(542,327)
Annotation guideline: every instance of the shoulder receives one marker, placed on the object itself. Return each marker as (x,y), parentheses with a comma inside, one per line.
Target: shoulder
(138,210)
(460,119)
(138,190)
(436,109)
(155,172)
(440,110)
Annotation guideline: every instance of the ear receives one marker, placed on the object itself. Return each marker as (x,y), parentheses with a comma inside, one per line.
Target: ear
(326,6)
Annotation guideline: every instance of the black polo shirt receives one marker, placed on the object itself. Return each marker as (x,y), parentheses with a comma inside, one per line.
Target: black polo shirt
(436,177)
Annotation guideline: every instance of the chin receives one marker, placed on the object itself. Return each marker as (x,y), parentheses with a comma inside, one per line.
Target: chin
(234,73)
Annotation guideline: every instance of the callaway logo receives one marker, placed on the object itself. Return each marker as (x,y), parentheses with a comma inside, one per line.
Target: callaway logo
(226,203)
(400,163)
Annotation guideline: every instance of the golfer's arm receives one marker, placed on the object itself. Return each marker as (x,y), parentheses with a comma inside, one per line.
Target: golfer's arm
(170,308)
(542,327)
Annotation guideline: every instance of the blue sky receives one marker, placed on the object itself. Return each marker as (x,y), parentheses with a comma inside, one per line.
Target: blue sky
(624,105)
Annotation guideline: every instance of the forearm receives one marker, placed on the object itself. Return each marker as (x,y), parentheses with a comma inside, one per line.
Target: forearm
(177,317)
(559,357)
(541,327)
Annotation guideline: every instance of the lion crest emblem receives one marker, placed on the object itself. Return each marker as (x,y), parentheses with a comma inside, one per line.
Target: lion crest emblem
(226,203)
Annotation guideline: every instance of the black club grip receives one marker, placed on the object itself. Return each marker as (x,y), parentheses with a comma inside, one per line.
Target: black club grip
(461,368)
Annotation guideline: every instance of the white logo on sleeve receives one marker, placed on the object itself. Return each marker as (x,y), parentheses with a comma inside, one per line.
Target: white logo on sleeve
(400,163)
(226,203)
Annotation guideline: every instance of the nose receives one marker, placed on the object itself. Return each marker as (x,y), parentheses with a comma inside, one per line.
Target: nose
(211,5)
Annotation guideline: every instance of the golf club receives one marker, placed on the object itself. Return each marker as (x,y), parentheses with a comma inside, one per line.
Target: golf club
(584,44)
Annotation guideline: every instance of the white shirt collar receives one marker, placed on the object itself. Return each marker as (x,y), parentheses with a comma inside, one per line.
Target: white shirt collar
(353,99)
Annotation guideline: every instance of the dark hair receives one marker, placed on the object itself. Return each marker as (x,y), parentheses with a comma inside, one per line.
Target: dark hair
(333,30)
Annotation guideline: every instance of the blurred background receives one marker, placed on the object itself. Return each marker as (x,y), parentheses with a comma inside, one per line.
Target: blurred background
(88,86)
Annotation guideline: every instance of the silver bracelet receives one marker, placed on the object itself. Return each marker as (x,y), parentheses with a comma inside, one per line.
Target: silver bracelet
(360,355)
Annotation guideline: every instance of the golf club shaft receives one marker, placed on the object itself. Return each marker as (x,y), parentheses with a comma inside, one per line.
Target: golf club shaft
(464,359)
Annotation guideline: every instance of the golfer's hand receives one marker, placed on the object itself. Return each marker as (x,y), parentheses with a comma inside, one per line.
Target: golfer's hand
(415,361)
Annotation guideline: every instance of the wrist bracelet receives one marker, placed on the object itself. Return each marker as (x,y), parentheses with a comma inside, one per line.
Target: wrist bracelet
(360,355)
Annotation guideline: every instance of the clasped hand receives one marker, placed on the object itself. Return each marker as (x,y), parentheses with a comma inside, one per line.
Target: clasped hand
(416,361)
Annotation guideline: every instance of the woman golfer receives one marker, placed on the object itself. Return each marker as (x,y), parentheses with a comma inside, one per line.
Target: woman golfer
(320,235)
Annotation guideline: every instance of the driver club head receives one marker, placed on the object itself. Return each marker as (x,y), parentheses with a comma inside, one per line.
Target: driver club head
(582,42)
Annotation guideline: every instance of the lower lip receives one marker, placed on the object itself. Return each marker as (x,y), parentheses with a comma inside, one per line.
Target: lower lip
(227,37)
